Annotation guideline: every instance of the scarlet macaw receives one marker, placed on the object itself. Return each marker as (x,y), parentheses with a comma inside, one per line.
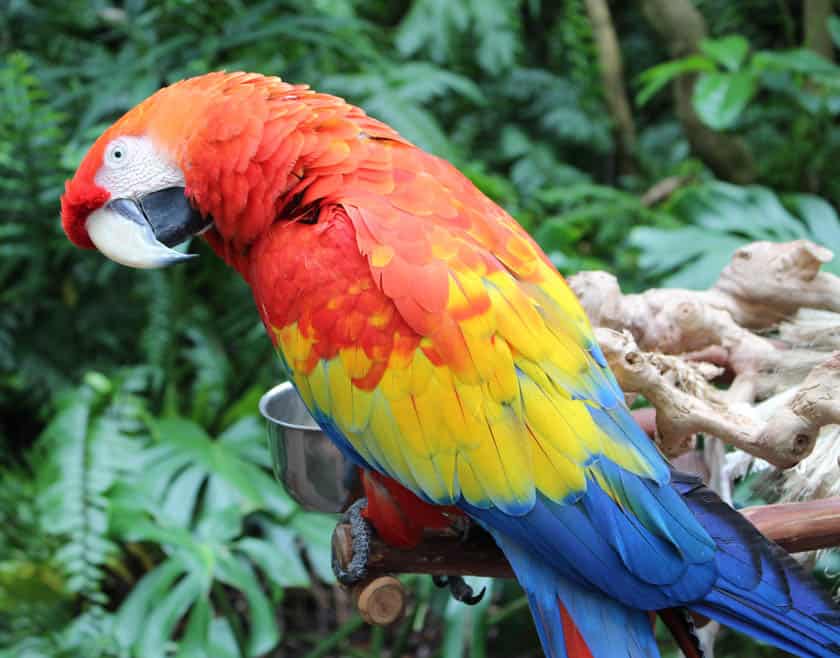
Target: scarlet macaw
(434,342)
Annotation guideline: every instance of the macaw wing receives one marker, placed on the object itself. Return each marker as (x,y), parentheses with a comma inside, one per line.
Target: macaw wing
(494,395)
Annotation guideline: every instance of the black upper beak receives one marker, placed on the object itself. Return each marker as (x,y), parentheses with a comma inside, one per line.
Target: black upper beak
(168,212)
(171,216)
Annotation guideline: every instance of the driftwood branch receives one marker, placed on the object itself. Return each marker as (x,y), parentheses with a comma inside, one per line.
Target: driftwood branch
(783,439)
(666,344)
(381,600)
(763,284)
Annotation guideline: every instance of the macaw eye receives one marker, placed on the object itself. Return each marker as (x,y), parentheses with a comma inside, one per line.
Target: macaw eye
(116,154)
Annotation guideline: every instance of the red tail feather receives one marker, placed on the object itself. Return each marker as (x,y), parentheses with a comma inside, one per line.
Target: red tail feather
(575,645)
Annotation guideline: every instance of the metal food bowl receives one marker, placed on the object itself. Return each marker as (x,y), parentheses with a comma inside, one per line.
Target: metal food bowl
(312,469)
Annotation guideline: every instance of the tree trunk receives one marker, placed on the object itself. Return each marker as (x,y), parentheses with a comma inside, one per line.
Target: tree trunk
(682,28)
(817,38)
(612,78)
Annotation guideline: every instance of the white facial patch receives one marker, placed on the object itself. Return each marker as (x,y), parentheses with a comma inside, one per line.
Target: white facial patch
(132,167)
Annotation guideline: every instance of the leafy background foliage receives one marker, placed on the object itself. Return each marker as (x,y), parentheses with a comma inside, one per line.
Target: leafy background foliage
(138,515)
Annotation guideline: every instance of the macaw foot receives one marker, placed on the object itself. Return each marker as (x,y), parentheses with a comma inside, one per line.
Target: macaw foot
(465,529)
(459,589)
(360,531)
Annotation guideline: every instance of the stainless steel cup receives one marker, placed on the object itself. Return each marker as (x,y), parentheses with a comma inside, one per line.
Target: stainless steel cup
(312,469)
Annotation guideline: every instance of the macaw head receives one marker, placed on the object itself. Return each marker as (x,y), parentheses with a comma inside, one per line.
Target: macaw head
(127,198)
(153,179)
(222,152)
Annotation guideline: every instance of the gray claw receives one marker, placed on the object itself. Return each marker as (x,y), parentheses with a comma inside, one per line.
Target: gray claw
(360,531)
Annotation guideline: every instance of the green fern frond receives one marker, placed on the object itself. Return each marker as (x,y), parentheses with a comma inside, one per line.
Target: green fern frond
(212,371)
(85,448)
(432,26)
(158,337)
(718,218)
(556,104)
(497,26)
(439,29)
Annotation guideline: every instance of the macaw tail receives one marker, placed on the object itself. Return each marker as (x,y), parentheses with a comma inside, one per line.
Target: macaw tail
(760,589)
(577,622)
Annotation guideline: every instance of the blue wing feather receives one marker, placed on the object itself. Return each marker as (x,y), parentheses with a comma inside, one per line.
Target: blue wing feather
(596,543)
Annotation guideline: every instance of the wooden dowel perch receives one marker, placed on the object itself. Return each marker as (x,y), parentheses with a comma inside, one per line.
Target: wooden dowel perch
(799,527)
(381,600)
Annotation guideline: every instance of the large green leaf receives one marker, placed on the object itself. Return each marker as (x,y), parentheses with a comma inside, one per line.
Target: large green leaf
(196,639)
(154,640)
(186,456)
(821,219)
(316,531)
(183,587)
(730,51)
(143,597)
(277,557)
(655,78)
(264,634)
(803,60)
(720,98)
(722,218)
(192,496)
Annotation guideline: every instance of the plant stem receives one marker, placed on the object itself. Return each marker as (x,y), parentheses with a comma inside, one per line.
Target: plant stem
(377,641)
(233,619)
(612,80)
(405,630)
(342,633)
(508,610)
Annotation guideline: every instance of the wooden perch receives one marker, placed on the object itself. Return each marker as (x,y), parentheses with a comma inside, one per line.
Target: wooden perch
(799,527)
(381,600)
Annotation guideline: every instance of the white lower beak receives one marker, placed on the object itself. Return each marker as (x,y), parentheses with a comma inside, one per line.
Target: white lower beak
(130,243)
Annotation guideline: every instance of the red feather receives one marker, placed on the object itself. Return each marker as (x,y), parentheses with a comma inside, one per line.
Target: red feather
(575,645)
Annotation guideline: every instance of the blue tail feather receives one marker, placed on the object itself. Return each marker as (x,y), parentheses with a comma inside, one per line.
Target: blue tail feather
(609,629)
(760,589)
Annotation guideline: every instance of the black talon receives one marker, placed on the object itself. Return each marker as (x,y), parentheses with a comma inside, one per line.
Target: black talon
(459,589)
(360,531)
(692,631)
